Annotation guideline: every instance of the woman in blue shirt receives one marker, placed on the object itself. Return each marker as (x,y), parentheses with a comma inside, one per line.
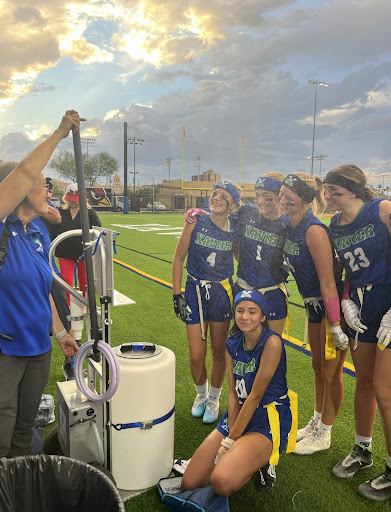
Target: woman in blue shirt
(309,256)
(27,312)
(361,234)
(249,434)
(209,246)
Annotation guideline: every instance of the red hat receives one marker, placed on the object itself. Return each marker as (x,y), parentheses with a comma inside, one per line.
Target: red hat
(72,193)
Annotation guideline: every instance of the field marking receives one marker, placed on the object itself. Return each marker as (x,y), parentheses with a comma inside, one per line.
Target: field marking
(291,341)
(171,233)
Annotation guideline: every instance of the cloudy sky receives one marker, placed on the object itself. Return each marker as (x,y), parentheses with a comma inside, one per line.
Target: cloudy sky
(233,73)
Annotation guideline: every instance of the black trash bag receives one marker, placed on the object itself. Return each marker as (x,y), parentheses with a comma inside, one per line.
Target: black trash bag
(36,441)
(48,483)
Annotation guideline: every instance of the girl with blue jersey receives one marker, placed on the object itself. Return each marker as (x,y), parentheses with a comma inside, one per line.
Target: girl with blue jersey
(308,253)
(209,245)
(260,264)
(256,426)
(361,234)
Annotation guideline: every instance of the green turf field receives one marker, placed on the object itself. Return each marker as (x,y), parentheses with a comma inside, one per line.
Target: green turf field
(303,483)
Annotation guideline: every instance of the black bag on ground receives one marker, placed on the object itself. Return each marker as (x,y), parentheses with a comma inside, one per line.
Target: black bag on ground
(199,500)
(51,483)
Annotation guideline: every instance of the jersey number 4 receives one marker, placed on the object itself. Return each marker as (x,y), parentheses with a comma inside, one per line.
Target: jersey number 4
(356,259)
(211,259)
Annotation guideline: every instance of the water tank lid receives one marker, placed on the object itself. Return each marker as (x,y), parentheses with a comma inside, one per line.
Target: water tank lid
(137,350)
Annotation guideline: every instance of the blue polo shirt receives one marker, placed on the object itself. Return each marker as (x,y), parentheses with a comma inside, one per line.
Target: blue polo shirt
(25,280)
(41,224)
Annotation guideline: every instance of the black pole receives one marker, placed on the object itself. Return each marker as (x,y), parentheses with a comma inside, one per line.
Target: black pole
(126,195)
(85,228)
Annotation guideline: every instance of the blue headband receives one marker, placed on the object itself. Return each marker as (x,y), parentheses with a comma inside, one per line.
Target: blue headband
(253,296)
(226,185)
(269,184)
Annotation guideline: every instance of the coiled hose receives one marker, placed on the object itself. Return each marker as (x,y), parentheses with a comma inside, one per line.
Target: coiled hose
(112,361)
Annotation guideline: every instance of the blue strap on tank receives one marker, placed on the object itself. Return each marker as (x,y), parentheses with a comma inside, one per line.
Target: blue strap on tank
(145,425)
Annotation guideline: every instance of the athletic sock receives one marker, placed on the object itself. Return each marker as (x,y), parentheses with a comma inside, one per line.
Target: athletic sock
(364,442)
(214,393)
(203,389)
(317,416)
(325,428)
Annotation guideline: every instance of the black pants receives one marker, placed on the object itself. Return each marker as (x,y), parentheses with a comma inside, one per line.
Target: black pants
(22,381)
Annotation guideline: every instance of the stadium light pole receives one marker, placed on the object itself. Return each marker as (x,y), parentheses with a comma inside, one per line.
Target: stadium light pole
(320,158)
(87,141)
(316,83)
(133,140)
(126,193)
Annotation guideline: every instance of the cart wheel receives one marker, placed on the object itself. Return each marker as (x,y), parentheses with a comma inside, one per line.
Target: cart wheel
(51,445)
(104,470)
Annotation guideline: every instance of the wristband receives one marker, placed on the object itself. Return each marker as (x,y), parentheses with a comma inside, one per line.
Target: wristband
(332,308)
(60,335)
(227,442)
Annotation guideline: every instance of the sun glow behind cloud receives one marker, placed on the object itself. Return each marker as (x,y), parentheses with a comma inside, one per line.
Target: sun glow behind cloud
(147,32)
(37,133)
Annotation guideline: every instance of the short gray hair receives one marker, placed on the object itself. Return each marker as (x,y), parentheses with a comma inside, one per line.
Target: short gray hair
(6,168)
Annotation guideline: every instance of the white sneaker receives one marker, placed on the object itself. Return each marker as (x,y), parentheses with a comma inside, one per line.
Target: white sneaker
(317,441)
(211,413)
(307,430)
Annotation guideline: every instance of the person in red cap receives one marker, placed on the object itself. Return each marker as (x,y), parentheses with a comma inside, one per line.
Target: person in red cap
(69,252)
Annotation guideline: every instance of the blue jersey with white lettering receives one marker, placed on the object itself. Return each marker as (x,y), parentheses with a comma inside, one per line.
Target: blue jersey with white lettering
(298,257)
(25,280)
(260,256)
(246,364)
(210,255)
(364,246)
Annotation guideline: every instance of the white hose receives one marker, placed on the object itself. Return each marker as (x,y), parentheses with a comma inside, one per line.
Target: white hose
(99,443)
(112,361)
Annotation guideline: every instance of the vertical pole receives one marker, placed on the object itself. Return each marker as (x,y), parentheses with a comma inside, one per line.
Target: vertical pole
(134,165)
(183,151)
(241,160)
(126,196)
(313,133)
(153,195)
(85,228)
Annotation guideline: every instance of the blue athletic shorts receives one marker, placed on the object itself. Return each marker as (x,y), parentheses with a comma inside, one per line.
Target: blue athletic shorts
(316,314)
(376,303)
(260,423)
(276,302)
(216,306)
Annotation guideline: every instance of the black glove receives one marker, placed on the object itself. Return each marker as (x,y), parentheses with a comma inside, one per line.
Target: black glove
(180,307)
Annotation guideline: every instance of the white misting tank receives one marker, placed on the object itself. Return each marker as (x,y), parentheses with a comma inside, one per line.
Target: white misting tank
(142,416)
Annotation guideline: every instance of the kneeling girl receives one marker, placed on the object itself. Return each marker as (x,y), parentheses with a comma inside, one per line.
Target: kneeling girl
(256,426)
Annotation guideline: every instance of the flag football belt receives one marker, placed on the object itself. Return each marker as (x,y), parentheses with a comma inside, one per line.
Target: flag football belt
(274,422)
(330,351)
(360,295)
(144,425)
(207,285)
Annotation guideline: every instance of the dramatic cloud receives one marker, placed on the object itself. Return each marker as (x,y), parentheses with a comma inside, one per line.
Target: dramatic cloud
(221,68)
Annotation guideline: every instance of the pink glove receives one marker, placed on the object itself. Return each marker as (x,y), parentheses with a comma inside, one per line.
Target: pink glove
(190,217)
